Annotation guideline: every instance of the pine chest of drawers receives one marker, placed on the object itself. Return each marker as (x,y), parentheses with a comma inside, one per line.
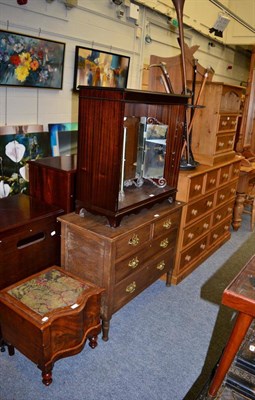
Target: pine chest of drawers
(209,194)
(123,260)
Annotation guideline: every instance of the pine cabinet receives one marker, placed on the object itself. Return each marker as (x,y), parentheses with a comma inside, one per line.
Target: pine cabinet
(214,128)
(127,137)
(209,194)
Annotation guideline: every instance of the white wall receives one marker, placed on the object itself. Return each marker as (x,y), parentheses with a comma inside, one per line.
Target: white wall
(94,23)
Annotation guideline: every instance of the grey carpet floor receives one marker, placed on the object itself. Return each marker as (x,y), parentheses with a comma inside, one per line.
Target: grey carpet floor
(162,345)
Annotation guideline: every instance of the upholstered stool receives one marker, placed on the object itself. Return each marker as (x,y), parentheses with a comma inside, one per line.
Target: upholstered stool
(49,316)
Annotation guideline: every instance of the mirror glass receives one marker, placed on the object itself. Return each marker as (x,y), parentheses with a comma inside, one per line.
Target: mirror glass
(144,149)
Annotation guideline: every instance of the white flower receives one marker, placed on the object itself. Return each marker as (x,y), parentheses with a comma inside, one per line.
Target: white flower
(15,151)
(24,172)
(4,189)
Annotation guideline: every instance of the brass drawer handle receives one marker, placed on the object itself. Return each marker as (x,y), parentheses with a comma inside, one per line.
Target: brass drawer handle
(164,243)
(187,258)
(209,203)
(233,122)
(194,211)
(218,217)
(167,224)
(226,227)
(223,123)
(236,171)
(230,210)
(222,196)
(215,236)
(221,144)
(225,176)
(212,181)
(131,288)
(190,235)
(133,263)
(197,187)
(230,142)
(134,241)
(161,265)
(205,226)
(233,191)
(202,246)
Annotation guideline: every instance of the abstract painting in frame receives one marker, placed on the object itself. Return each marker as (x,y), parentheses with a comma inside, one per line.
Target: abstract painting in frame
(29,61)
(63,138)
(100,68)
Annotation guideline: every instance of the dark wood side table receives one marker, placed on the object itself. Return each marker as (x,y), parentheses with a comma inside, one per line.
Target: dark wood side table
(239,295)
(29,237)
(50,315)
(52,180)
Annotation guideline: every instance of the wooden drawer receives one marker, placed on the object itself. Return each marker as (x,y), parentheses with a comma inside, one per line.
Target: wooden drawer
(226,193)
(130,287)
(211,180)
(193,232)
(199,208)
(196,186)
(162,225)
(221,213)
(220,231)
(136,261)
(225,142)
(227,122)
(235,170)
(225,174)
(133,241)
(197,250)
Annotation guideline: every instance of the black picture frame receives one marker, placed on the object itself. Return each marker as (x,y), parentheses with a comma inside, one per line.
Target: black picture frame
(30,61)
(95,67)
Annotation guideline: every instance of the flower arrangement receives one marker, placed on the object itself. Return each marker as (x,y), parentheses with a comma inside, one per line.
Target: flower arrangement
(30,61)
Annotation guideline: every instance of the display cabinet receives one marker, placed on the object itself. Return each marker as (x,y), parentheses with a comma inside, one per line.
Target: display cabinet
(129,150)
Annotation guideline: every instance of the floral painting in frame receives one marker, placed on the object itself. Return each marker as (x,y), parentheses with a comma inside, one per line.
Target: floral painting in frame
(18,145)
(100,68)
(30,61)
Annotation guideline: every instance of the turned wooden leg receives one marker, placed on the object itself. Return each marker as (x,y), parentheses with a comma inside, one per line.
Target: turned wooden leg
(238,210)
(93,341)
(238,333)
(105,329)
(47,377)
(3,344)
(169,278)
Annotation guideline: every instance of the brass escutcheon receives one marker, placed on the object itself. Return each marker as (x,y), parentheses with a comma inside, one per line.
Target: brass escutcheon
(134,241)
(133,263)
(161,265)
(131,288)
(164,243)
(167,224)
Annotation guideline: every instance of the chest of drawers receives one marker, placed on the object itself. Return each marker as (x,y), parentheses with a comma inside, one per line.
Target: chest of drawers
(214,128)
(209,194)
(124,260)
